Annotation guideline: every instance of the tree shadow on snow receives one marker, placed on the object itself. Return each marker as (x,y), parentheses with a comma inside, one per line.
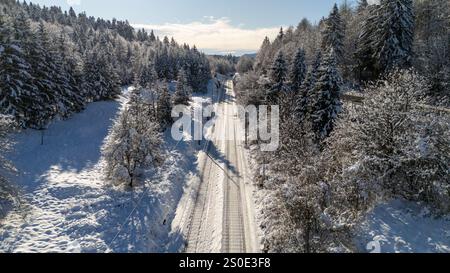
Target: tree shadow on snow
(150,215)
(71,145)
(219,158)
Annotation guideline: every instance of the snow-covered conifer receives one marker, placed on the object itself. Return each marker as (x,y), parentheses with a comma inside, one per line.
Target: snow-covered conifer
(262,56)
(164,107)
(298,70)
(183,90)
(326,102)
(15,79)
(394,39)
(386,40)
(7,193)
(278,75)
(333,34)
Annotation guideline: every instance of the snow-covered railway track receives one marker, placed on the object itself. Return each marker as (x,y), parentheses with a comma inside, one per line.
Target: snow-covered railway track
(233,240)
(222,218)
(202,203)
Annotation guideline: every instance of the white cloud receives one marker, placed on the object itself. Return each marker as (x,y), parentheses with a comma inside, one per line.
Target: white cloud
(214,34)
(73,2)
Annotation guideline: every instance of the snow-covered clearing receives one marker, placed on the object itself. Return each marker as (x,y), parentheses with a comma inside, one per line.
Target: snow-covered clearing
(404,227)
(68,207)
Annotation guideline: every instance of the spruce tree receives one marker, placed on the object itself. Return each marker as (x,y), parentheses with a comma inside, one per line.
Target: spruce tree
(147,75)
(16,92)
(278,76)
(262,56)
(386,40)
(102,80)
(90,76)
(183,90)
(6,147)
(365,62)
(333,34)
(304,97)
(393,40)
(164,107)
(326,102)
(73,73)
(44,70)
(298,70)
(362,6)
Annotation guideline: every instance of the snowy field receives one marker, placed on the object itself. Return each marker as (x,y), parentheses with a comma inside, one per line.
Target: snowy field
(404,227)
(68,207)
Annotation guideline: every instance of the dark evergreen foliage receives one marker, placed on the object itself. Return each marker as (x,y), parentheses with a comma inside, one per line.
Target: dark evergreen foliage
(54,62)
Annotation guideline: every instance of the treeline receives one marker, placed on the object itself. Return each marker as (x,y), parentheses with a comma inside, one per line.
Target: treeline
(231,64)
(337,160)
(52,62)
(223,64)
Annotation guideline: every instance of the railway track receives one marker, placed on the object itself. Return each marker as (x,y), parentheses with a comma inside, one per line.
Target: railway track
(233,240)
(221,219)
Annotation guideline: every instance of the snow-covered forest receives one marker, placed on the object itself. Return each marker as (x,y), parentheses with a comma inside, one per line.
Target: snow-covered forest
(363,121)
(89,161)
(53,63)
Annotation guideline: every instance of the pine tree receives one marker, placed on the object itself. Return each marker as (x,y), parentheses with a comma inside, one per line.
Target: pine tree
(183,90)
(135,105)
(326,97)
(72,13)
(280,36)
(152,37)
(90,76)
(278,76)
(333,34)
(298,70)
(58,91)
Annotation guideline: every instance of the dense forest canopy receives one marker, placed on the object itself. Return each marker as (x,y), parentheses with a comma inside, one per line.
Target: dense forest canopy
(371,40)
(53,62)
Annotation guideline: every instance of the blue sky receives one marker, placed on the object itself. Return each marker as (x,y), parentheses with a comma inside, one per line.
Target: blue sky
(216,26)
